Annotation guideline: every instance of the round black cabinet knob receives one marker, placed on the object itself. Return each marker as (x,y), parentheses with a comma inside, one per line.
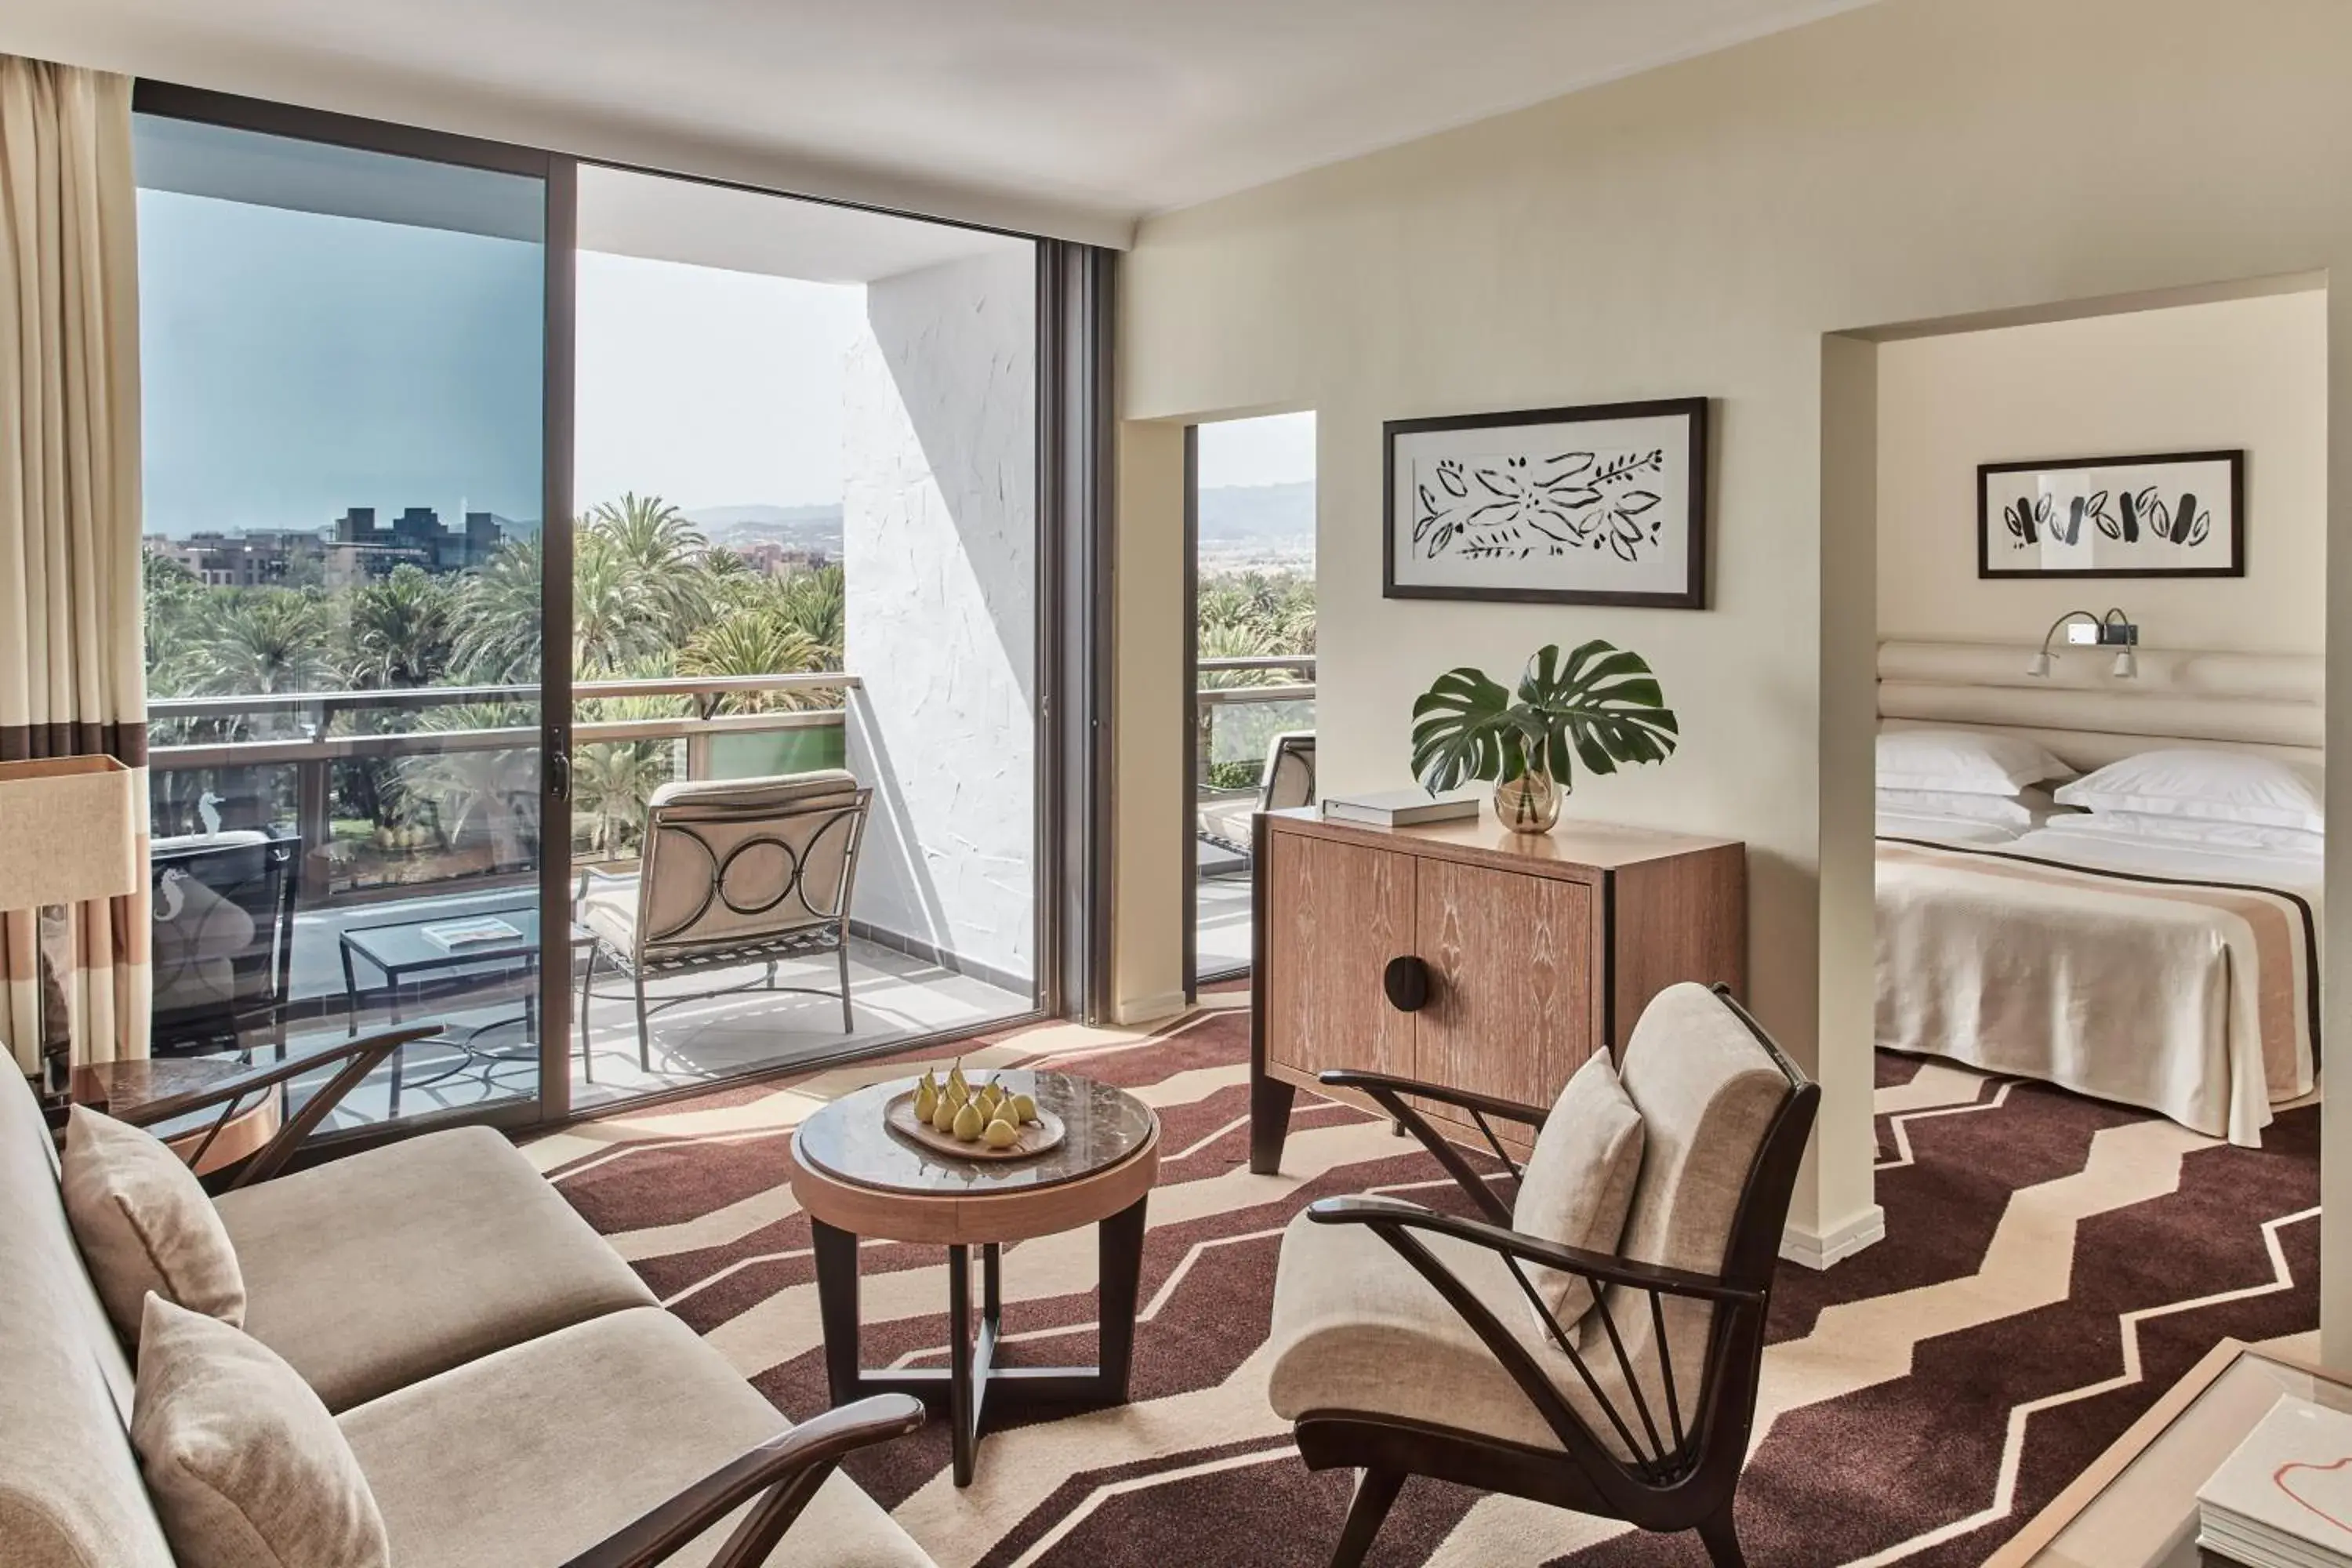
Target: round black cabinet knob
(1406,981)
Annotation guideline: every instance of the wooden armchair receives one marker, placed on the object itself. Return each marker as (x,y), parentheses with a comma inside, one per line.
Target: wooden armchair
(1408,1341)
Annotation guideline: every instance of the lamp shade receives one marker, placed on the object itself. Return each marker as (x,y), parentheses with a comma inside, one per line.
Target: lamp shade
(68,831)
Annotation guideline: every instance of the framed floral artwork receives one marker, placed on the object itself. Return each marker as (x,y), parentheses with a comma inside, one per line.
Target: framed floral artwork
(1598,505)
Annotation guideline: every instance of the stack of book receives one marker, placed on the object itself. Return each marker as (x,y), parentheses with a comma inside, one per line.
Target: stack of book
(1400,808)
(2284,1498)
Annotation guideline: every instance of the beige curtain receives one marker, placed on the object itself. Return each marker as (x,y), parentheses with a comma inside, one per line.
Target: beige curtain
(72,675)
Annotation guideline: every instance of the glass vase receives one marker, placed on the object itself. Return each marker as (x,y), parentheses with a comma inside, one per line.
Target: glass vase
(1528,801)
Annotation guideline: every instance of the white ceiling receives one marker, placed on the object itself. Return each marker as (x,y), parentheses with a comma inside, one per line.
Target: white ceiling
(1065,116)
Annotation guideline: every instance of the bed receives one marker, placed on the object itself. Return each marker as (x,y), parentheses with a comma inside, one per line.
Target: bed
(2176,976)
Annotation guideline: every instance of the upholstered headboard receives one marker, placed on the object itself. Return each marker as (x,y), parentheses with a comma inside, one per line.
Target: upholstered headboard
(2270,704)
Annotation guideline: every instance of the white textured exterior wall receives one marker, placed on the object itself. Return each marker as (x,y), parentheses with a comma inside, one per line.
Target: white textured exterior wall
(939,542)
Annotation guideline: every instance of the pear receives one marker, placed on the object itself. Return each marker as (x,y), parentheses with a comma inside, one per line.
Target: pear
(968,1123)
(956,1084)
(926,1100)
(1001,1135)
(943,1114)
(1024,1109)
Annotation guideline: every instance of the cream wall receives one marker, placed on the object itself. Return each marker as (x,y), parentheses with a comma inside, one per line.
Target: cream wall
(1700,229)
(2239,372)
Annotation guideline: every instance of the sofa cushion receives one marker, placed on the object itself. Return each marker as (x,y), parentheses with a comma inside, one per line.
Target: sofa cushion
(528,1458)
(144,1224)
(370,1273)
(71,1496)
(244,1464)
(1578,1182)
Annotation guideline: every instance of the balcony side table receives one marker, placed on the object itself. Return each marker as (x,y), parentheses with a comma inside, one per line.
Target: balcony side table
(855,1177)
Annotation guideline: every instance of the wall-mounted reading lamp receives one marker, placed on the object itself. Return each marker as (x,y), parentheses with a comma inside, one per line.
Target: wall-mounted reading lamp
(2084,629)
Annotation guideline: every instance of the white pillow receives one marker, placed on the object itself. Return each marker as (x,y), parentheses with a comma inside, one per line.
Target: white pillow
(1967,762)
(1576,1186)
(2199,831)
(2216,786)
(2024,809)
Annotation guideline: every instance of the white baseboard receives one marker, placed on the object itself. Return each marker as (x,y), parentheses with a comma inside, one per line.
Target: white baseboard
(1150,1009)
(1818,1249)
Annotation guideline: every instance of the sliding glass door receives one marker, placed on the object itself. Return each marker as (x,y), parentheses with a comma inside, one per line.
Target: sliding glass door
(352,524)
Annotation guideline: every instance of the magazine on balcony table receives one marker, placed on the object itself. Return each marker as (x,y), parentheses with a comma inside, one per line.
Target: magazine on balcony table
(451,935)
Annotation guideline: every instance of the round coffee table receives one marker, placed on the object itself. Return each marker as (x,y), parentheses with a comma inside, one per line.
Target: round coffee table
(855,1177)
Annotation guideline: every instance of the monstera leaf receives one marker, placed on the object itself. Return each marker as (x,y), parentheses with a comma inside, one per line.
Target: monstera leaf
(1600,704)
(1603,701)
(1462,728)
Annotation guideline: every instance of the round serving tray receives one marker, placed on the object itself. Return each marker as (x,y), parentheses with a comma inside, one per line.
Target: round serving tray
(1037,1136)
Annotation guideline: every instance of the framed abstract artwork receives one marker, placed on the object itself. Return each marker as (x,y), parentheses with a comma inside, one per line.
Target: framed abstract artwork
(1599,505)
(2170,514)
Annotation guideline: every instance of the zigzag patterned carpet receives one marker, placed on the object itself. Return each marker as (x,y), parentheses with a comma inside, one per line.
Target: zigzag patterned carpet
(2051,1264)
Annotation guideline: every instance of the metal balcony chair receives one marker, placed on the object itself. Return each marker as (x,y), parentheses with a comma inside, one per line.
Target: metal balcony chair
(1411,1343)
(735,872)
(221,938)
(1288,781)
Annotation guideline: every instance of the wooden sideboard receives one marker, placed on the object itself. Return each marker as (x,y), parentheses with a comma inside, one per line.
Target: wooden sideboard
(1536,950)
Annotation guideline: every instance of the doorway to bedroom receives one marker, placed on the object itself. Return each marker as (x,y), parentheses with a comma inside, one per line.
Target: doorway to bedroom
(2076,567)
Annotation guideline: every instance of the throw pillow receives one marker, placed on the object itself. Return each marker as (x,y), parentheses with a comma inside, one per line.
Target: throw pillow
(143,1223)
(246,1467)
(1577,1187)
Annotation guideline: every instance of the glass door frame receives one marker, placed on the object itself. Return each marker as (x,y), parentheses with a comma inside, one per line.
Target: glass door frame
(1074,672)
(558,178)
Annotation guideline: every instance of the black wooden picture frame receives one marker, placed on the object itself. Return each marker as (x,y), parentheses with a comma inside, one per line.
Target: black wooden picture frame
(1690,447)
(2120,518)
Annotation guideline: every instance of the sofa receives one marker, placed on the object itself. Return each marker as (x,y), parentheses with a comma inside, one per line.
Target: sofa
(512,1392)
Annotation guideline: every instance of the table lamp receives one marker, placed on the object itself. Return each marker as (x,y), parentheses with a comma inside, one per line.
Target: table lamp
(69,833)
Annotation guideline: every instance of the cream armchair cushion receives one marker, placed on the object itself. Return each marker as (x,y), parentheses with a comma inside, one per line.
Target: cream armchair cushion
(245,1465)
(145,1223)
(1357,1328)
(1578,1185)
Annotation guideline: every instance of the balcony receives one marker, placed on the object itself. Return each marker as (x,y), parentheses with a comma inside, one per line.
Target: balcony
(1239,705)
(463,841)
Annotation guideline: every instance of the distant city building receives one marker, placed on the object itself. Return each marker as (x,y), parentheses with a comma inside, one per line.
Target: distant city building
(354,548)
(364,549)
(258,558)
(772,560)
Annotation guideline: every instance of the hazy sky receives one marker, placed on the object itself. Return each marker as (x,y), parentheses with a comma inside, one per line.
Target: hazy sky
(294,364)
(708,388)
(1273,449)
(297,363)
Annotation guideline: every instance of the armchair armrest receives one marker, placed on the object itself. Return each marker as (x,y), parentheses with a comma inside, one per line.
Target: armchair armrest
(1662,1446)
(787,1468)
(360,1058)
(1599,1268)
(1388,1091)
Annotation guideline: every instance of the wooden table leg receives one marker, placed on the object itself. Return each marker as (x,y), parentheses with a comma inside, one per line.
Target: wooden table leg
(837,1302)
(963,1423)
(1119,1247)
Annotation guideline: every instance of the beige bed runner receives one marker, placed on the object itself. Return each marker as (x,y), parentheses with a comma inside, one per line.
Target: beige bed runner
(2195,999)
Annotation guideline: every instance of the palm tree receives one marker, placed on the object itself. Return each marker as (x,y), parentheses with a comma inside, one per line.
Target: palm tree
(498,789)
(398,632)
(610,786)
(260,640)
(498,615)
(753,640)
(661,547)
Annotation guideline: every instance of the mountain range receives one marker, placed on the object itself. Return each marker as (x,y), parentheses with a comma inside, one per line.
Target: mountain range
(1281,517)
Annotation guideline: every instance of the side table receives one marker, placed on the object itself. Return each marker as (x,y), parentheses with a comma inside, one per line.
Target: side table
(855,1177)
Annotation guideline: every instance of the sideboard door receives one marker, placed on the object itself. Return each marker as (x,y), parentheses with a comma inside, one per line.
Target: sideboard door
(1337,913)
(1510,956)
